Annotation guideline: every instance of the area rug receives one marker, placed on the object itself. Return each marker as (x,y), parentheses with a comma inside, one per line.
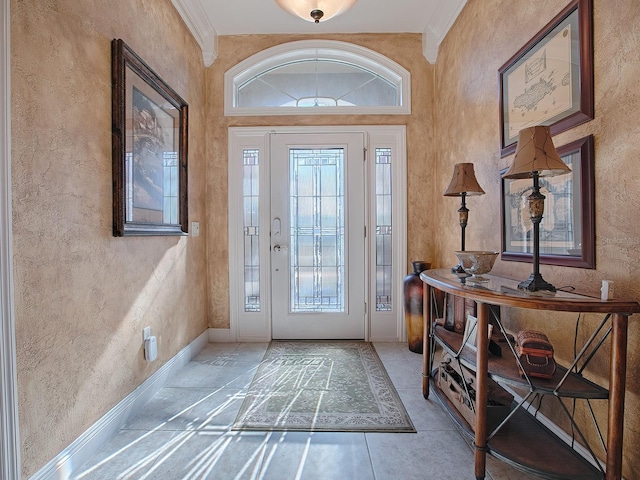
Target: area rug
(322,386)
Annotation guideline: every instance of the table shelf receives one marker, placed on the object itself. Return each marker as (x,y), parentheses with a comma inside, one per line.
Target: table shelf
(553,458)
(505,370)
(523,441)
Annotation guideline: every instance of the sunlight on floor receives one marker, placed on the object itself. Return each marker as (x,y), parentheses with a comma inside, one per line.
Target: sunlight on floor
(185,433)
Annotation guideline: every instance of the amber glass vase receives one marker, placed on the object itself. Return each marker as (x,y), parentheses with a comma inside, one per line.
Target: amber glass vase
(413,303)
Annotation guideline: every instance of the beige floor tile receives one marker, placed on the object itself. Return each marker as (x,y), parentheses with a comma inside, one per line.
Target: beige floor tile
(183,433)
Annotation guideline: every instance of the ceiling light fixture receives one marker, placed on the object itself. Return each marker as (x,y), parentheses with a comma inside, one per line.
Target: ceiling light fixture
(314,10)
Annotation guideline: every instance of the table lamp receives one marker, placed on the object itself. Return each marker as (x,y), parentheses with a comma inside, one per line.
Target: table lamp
(462,184)
(536,157)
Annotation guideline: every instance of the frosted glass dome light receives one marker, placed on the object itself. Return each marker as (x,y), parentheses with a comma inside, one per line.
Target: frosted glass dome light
(314,10)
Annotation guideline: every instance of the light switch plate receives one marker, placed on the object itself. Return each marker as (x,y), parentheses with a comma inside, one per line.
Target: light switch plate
(195,229)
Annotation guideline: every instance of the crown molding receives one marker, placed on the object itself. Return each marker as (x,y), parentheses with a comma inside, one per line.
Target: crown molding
(438,27)
(195,18)
(199,24)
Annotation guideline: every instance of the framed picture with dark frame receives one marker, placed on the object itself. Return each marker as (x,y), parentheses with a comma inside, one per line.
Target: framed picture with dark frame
(549,81)
(567,230)
(149,149)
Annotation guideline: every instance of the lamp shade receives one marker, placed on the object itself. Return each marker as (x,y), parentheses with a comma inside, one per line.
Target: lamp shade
(463,181)
(536,153)
(327,8)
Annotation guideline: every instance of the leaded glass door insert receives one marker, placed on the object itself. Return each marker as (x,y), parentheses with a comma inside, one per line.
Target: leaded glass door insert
(317,236)
(251,228)
(316,201)
(383,230)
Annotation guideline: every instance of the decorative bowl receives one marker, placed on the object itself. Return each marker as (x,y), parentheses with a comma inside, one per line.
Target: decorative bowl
(477,263)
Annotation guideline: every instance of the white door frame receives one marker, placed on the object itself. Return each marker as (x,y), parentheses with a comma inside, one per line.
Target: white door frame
(9,427)
(256,326)
(348,323)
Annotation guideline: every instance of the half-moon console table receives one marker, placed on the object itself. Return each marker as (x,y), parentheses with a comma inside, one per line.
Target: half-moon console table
(521,433)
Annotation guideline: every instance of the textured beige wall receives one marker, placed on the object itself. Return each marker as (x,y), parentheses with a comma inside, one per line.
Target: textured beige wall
(406,50)
(82,297)
(487,34)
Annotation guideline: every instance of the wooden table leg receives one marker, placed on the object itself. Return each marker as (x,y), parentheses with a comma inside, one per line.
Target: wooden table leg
(426,340)
(617,385)
(482,390)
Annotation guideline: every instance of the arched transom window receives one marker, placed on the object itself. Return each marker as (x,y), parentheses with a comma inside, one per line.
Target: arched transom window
(319,77)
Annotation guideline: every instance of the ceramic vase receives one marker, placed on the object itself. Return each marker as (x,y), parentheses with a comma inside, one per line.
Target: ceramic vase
(413,304)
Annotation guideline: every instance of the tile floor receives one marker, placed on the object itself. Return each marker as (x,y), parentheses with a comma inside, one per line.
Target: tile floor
(183,432)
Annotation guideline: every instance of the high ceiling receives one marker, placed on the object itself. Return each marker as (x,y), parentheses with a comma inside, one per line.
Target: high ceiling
(209,18)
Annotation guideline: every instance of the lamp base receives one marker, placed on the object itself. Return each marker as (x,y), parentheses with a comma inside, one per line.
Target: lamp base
(535,282)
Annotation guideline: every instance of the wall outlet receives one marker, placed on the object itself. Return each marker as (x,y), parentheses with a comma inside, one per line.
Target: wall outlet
(195,229)
(146,333)
(151,349)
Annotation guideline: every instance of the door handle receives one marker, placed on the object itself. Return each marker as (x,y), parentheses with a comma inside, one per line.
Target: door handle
(276,226)
(277,248)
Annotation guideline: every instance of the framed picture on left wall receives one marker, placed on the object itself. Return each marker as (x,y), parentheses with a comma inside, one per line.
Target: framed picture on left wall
(149,149)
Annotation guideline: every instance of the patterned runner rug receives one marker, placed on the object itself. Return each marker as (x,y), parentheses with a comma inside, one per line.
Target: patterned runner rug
(322,386)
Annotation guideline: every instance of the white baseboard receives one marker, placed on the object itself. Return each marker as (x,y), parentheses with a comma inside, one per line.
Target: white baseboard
(220,335)
(389,339)
(87,444)
(225,335)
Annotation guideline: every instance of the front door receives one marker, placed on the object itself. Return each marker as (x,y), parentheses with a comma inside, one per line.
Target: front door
(318,236)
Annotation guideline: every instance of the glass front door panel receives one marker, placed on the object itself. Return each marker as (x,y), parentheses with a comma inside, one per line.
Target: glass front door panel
(317,230)
(251,203)
(383,232)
